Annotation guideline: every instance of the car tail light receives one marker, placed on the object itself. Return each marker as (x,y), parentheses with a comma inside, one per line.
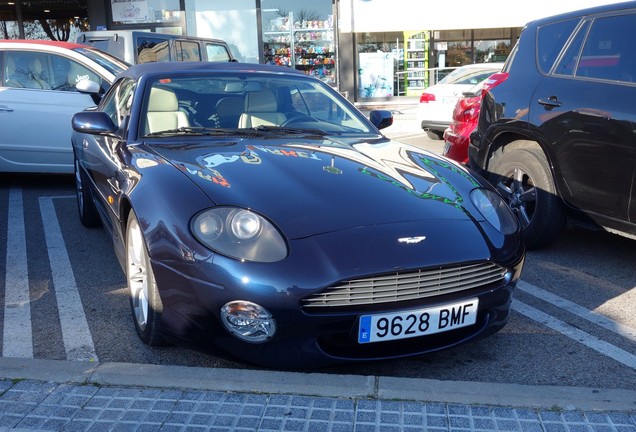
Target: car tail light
(493,81)
(467,109)
(427,97)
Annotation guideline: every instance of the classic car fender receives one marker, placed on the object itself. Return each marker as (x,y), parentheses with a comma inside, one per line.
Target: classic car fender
(168,200)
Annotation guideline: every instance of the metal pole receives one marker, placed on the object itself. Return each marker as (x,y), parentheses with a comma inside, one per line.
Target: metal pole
(18,12)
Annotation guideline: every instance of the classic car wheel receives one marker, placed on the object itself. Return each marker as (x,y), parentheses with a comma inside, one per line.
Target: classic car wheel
(86,207)
(145,302)
(523,177)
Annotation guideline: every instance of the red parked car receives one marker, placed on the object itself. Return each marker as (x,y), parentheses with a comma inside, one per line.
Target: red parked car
(465,117)
(457,135)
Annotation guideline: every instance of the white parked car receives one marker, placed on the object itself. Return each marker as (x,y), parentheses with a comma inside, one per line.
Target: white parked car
(435,110)
(39,93)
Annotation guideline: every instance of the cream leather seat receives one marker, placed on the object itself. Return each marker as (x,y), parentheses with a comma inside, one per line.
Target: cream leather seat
(163,111)
(261,109)
(36,77)
(10,74)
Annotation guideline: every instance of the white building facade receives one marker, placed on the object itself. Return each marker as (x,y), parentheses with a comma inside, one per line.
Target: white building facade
(370,50)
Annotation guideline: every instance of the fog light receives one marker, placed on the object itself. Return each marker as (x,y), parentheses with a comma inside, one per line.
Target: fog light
(248,321)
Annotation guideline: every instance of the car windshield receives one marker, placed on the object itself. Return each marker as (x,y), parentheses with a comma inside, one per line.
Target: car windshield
(270,104)
(105,60)
(469,75)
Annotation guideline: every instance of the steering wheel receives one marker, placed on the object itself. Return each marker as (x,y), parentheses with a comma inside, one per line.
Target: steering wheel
(298,117)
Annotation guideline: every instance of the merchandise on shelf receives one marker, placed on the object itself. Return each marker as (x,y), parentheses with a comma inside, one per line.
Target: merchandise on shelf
(307,45)
(416,63)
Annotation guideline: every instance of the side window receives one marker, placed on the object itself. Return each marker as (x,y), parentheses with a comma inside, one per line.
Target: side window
(550,40)
(36,70)
(187,51)
(118,102)
(152,49)
(66,73)
(217,53)
(568,61)
(25,69)
(608,52)
(9,73)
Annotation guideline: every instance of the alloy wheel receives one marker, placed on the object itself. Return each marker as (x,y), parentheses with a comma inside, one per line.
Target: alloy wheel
(137,274)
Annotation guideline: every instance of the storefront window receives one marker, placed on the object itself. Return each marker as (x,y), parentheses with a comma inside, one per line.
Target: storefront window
(493,51)
(380,65)
(300,34)
(456,48)
(458,54)
(145,11)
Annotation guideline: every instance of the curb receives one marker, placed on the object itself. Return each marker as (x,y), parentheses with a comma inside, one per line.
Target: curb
(320,385)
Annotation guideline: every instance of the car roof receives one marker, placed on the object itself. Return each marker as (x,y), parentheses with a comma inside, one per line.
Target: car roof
(581,12)
(41,42)
(111,33)
(158,68)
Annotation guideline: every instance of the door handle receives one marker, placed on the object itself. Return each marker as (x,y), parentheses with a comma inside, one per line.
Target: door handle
(4,108)
(551,102)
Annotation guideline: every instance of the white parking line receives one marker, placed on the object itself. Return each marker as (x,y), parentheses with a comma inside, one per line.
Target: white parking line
(574,333)
(76,335)
(17,336)
(578,310)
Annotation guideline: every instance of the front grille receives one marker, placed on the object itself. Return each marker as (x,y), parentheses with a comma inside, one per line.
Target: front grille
(398,287)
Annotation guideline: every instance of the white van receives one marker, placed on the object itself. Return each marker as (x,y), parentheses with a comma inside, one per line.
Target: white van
(135,47)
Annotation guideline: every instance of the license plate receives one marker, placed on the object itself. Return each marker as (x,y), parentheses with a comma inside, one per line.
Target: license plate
(418,322)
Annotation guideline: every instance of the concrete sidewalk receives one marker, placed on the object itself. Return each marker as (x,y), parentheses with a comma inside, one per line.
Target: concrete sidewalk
(47,395)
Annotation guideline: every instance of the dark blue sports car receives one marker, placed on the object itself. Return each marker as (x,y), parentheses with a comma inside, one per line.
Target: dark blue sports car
(257,212)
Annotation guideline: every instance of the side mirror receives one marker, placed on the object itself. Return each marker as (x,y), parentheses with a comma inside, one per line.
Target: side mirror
(87,86)
(381,118)
(94,122)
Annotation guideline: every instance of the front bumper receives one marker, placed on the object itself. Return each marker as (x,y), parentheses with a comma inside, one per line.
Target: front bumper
(309,337)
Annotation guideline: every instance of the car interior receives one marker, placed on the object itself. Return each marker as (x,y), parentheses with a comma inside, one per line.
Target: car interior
(261,110)
(163,111)
(244,104)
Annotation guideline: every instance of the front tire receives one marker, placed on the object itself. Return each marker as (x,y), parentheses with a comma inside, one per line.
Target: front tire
(523,177)
(145,302)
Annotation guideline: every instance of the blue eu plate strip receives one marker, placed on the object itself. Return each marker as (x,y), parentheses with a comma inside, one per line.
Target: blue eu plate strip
(364,334)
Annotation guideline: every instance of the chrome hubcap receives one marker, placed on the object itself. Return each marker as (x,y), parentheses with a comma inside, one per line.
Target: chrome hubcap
(520,193)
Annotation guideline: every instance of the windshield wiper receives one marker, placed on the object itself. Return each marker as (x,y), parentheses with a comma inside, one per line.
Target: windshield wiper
(200,130)
(289,130)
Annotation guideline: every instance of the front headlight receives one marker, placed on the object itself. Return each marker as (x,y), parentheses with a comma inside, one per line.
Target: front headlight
(239,233)
(248,321)
(493,208)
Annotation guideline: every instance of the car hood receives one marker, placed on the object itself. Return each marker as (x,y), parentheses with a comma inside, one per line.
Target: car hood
(308,186)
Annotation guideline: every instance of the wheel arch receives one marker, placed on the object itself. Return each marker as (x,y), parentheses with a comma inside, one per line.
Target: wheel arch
(511,140)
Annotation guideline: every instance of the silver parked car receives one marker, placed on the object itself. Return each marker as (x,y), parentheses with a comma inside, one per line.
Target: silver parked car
(41,87)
